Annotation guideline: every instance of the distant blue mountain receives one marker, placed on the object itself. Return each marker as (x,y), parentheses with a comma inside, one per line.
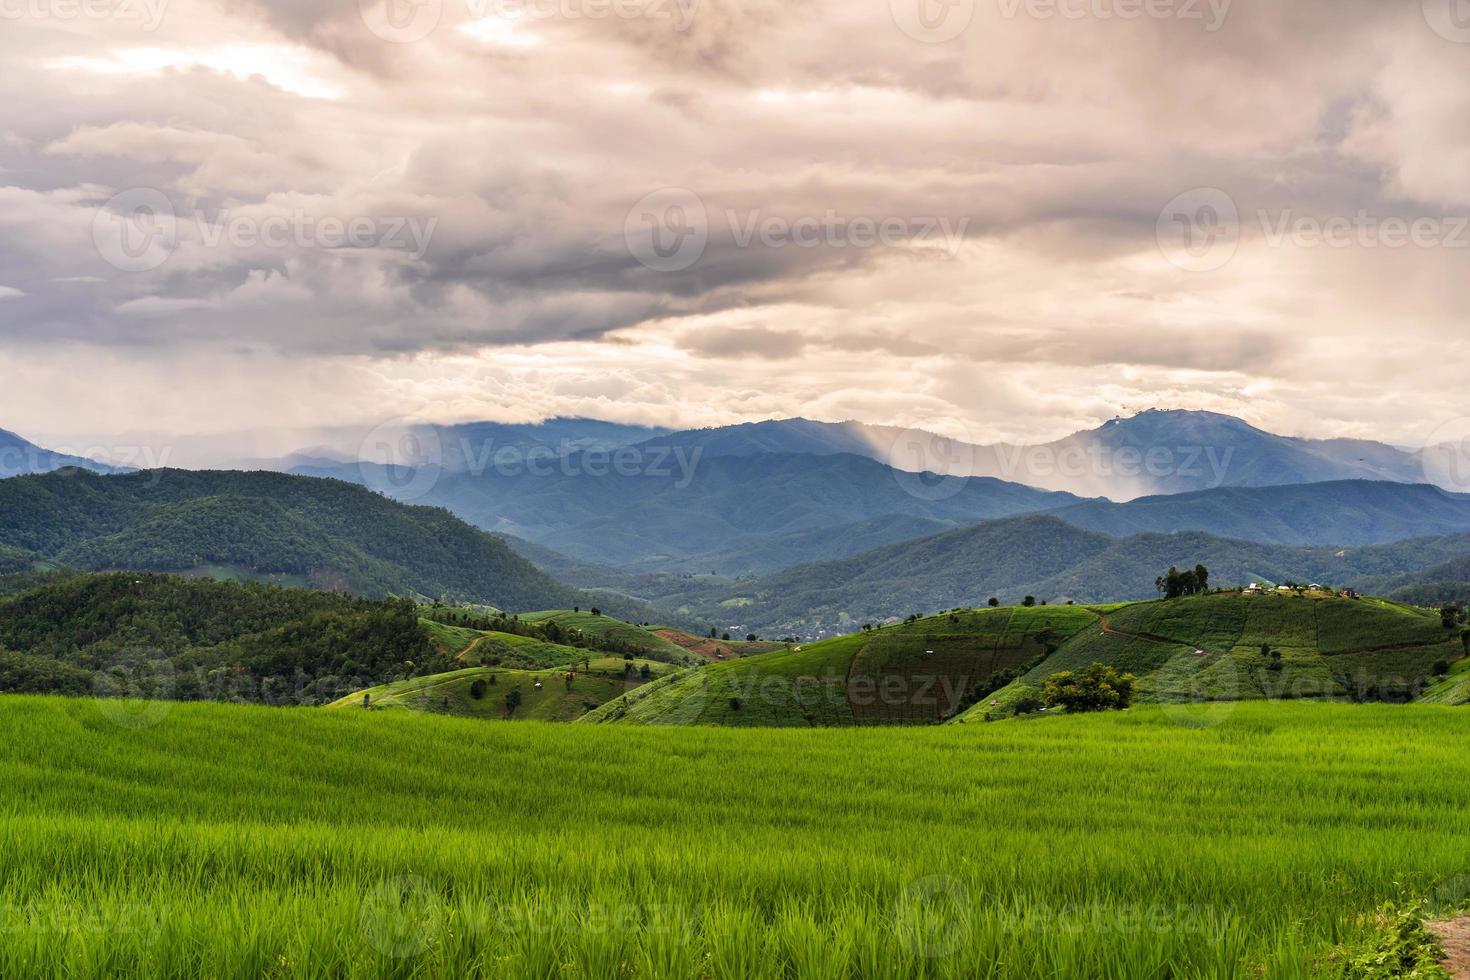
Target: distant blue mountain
(20,457)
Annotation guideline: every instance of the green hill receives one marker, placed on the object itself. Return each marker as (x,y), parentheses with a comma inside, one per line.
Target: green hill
(184,639)
(1183,651)
(918,672)
(1034,555)
(327,533)
(1209,648)
(609,633)
(557,694)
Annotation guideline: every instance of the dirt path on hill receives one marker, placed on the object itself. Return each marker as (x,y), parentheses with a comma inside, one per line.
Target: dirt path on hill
(1454,935)
(1150,637)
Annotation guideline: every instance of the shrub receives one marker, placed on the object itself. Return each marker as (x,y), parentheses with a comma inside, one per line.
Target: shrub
(1098,688)
(1027,704)
(477,689)
(1441,667)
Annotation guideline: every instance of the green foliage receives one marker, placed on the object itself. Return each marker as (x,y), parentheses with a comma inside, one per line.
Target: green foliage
(220,641)
(1098,688)
(330,534)
(1399,947)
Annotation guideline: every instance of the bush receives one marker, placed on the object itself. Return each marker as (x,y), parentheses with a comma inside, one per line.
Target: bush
(1098,688)
(1441,667)
(1027,704)
(477,689)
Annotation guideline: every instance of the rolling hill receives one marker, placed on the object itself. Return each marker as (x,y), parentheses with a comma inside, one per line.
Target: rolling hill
(1192,654)
(171,638)
(1039,555)
(323,532)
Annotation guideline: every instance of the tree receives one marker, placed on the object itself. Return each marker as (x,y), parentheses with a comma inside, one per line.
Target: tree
(1098,688)
(1202,578)
(1265,649)
(1449,616)
(477,689)
(726,636)
(1030,600)
(994,602)
(1441,667)
(512,701)
(751,638)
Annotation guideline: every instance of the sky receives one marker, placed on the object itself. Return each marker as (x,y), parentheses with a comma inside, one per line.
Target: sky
(999,219)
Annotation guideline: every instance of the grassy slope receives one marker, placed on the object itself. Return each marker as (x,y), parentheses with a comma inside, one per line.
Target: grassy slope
(709,649)
(1208,648)
(609,628)
(553,700)
(232,841)
(889,675)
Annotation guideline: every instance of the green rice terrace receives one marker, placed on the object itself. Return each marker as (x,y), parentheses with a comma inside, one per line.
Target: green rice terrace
(187,840)
(970,665)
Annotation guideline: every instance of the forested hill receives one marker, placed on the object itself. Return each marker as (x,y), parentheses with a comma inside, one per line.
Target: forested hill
(166,637)
(326,533)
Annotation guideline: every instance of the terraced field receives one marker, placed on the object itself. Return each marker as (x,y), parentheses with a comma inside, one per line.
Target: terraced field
(1183,651)
(389,844)
(560,694)
(919,672)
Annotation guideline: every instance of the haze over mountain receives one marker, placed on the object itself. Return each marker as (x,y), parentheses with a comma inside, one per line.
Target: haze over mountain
(673,505)
(1154,452)
(1037,555)
(19,457)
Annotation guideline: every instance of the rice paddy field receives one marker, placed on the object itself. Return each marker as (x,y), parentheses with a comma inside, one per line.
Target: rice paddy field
(188,840)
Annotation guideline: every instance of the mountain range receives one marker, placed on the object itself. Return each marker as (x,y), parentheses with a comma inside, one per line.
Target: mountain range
(21,457)
(271,526)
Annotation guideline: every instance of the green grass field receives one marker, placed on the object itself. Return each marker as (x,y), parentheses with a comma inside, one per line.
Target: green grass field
(239,842)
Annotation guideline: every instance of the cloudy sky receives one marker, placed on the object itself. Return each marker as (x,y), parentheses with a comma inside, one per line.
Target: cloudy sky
(1007,219)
